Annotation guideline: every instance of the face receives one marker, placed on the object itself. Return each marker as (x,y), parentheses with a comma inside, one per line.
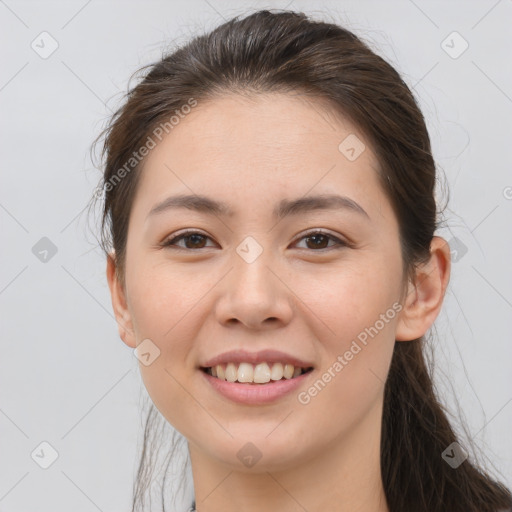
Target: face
(321,285)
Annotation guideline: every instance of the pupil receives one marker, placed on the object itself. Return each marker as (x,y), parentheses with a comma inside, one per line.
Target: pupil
(195,237)
(316,237)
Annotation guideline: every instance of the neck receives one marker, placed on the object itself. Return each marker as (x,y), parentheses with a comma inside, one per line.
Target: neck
(345,477)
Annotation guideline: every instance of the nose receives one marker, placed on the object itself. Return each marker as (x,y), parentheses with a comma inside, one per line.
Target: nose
(255,295)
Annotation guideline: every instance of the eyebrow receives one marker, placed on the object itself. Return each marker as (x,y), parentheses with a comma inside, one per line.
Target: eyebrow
(284,208)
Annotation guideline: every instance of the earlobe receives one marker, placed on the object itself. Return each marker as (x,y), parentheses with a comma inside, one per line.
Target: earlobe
(425,296)
(119,304)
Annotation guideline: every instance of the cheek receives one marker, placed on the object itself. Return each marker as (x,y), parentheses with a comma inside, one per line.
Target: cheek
(358,310)
(351,380)
(162,302)
(161,296)
(351,297)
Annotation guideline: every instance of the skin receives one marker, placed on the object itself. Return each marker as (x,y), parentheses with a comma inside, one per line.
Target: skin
(196,303)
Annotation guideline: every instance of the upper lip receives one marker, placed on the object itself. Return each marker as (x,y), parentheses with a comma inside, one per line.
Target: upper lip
(263,356)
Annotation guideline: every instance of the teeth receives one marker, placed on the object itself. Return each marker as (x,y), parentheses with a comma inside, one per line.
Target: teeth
(245,372)
(258,374)
(277,371)
(231,372)
(261,373)
(288,371)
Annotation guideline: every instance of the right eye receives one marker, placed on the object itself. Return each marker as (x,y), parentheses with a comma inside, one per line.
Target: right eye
(195,237)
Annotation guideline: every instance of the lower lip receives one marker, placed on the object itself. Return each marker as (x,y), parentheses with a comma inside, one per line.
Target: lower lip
(255,393)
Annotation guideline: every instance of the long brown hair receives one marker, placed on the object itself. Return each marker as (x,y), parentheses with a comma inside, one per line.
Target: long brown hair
(289,52)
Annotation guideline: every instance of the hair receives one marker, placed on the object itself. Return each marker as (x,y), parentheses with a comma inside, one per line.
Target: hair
(287,52)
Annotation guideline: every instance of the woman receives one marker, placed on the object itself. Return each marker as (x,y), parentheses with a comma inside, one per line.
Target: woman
(269,224)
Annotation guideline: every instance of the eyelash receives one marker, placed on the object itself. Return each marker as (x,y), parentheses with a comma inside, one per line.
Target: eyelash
(170,242)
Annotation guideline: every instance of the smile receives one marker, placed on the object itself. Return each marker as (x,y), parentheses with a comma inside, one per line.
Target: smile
(253,393)
(260,373)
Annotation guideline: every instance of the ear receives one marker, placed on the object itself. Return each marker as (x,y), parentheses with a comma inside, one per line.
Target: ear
(425,296)
(119,304)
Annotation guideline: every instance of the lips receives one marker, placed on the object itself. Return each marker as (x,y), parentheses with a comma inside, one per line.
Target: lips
(257,389)
(255,394)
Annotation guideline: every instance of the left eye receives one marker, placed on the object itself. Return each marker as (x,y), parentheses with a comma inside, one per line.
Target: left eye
(318,238)
(197,240)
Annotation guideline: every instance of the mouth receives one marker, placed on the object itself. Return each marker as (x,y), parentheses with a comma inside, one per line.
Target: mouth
(255,374)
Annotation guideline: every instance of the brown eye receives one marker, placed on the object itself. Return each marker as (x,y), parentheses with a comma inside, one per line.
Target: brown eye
(318,240)
(193,240)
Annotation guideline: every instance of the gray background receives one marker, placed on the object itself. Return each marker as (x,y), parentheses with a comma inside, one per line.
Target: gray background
(65,376)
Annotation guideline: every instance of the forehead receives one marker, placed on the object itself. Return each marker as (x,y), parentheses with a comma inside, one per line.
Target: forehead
(277,124)
(265,146)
